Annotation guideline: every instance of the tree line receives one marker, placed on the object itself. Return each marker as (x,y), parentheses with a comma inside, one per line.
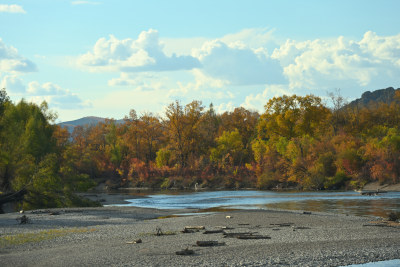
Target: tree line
(298,142)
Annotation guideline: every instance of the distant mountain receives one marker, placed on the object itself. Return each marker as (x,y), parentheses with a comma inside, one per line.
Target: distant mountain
(381,95)
(91,120)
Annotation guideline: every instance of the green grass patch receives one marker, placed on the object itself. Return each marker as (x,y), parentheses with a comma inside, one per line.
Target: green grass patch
(19,239)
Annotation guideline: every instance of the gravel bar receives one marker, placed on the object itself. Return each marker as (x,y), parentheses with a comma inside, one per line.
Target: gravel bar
(108,236)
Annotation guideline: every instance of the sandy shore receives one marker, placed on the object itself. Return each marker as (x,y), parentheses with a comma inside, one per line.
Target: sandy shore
(103,237)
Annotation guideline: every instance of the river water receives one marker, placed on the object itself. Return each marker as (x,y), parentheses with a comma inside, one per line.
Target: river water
(348,202)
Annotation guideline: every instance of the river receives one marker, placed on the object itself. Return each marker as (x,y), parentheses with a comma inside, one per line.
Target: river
(348,202)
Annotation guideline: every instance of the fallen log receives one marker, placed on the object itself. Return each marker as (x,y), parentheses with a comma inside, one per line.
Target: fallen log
(185,252)
(282,224)
(188,231)
(234,235)
(225,227)
(214,231)
(200,227)
(253,237)
(209,243)
(192,229)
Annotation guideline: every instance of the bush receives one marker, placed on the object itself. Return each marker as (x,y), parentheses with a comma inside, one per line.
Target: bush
(336,182)
(266,181)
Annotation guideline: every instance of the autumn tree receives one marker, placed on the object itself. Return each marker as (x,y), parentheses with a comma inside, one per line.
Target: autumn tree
(183,129)
(245,122)
(152,134)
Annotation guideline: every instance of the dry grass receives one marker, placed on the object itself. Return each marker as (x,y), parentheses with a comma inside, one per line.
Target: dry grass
(18,239)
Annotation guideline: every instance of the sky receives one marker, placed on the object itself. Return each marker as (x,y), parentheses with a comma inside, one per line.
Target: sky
(106,57)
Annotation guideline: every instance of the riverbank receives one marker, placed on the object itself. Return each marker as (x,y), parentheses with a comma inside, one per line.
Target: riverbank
(376,186)
(105,236)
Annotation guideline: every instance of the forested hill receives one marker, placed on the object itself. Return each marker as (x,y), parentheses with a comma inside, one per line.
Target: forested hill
(382,95)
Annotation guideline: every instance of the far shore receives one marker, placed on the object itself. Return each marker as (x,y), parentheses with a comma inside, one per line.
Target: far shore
(375,186)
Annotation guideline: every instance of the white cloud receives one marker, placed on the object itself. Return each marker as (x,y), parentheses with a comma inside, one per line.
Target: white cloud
(52,93)
(11,61)
(46,89)
(55,95)
(341,63)
(225,107)
(12,9)
(238,64)
(202,82)
(258,101)
(253,38)
(13,84)
(128,55)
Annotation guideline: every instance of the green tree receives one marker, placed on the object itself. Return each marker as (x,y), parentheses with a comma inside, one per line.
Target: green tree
(229,150)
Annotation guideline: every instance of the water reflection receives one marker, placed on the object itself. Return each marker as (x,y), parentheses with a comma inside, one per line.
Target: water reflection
(336,202)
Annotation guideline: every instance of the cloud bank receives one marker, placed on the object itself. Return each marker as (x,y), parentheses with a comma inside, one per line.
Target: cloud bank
(321,63)
(140,55)
(238,64)
(242,59)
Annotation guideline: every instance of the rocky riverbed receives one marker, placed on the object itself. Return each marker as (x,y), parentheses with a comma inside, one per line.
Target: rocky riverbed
(130,236)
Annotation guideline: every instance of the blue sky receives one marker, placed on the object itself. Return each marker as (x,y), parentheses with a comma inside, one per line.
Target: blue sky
(104,58)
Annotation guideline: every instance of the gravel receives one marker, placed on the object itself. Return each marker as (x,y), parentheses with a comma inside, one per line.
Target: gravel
(99,236)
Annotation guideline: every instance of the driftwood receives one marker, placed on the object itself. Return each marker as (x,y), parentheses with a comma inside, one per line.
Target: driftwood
(192,229)
(253,237)
(225,227)
(185,252)
(307,212)
(209,243)
(200,227)
(282,224)
(137,241)
(214,231)
(235,235)
(188,231)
